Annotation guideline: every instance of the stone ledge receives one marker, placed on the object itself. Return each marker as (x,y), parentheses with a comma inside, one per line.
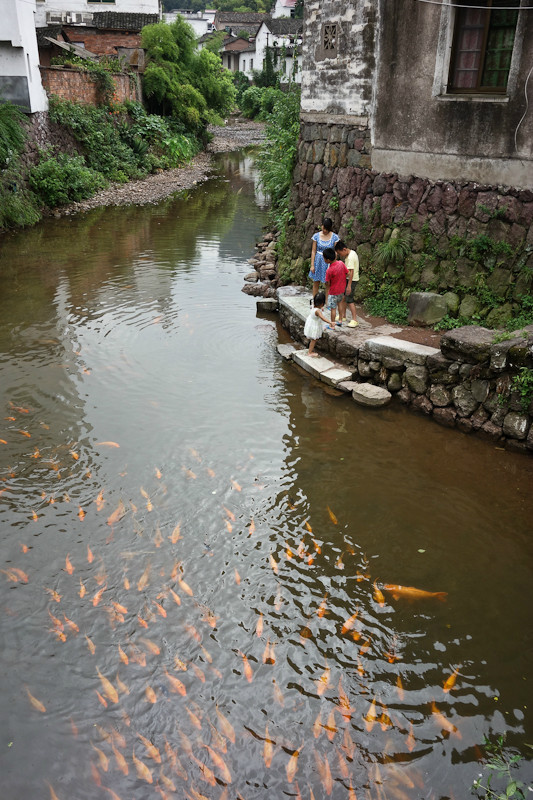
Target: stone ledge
(367,394)
(322,368)
(398,349)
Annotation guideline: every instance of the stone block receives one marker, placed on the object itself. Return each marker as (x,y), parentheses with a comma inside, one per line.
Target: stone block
(466,272)
(437,363)
(346,348)
(347,386)
(464,401)
(315,366)
(426,308)
(252,277)
(516,425)
(423,404)
(416,378)
(392,363)
(267,304)
(491,431)
(480,390)
(470,343)
(479,418)
(394,384)
(440,396)
(286,351)
(363,368)
(445,416)
(464,424)
(406,352)
(452,302)
(366,394)
(336,375)
(405,395)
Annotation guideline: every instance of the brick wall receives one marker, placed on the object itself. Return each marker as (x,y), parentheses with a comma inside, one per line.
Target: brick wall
(70,84)
(103,42)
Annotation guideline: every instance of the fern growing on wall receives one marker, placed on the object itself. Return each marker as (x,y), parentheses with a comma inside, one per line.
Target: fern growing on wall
(394,249)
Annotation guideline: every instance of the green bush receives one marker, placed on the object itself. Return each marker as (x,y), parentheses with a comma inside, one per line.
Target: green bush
(18,206)
(386,302)
(63,179)
(241,83)
(12,132)
(251,101)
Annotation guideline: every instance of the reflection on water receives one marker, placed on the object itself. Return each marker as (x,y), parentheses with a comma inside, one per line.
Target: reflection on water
(201,549)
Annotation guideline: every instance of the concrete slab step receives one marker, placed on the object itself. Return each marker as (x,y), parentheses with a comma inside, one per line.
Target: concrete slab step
(322,368)
(267,304)
(286,351)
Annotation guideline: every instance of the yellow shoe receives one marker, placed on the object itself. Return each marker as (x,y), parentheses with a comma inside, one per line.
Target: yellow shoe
(353,323)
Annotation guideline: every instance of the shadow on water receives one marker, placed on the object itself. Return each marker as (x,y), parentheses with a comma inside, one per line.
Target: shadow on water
(205,554)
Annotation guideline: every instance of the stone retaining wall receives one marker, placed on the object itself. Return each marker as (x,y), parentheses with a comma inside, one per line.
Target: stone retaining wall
(472,240)
(467,384)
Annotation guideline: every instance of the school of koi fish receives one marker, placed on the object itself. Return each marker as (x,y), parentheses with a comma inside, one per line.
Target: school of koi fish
(357,747)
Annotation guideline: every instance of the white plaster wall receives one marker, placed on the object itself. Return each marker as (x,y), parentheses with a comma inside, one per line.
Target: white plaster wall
(19,56)
(83,6)
(340,84)
(283,8)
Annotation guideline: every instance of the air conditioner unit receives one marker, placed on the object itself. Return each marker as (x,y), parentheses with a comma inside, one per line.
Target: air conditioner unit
(73,18)
(54,17)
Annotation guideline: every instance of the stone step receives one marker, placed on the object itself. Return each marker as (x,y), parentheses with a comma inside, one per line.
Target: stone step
(322,368)
(366,394)
(286,351)
(267,304)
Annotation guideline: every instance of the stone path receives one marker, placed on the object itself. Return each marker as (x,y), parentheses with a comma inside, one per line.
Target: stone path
(376,342)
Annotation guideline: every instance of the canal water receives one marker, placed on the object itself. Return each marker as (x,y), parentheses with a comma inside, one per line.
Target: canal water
(205,554)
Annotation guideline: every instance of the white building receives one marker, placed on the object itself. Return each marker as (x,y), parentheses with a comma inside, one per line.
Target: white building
(280,34)
(81,11)
(201,22)
(20,78)
(283,8)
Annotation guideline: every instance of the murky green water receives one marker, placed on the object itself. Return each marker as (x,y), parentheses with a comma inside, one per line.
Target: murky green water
(166,488)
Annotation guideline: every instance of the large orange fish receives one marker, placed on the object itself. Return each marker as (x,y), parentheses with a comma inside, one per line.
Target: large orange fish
(151,749)
(220,764)
(410,593)
(292,765)
(323,682)
(332,516)
(443,722)
(117,514)
(248,672)
(449,683)
(109,690)
(150,695)
(124,689)
(143,580)
(35,703)
(378,595)
(325,772)
(350,622)
(142,770)
(226,726)
(371,716)
(98,596)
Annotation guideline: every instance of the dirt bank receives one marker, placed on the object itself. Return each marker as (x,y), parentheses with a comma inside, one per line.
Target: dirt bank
(154,188)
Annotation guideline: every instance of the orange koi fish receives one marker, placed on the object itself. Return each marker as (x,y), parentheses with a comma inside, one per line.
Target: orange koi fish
(330,726)
(72,625)
(21,575)
(150,695)
(169,784)
(151,749)
(175,684)
(317,725)
(348,745)
(195,720)
(100,500)
(68,565)
(108,444)
(325,772)
(25,433)
(175,536)
(248,672)
(81,513)
(189,473)
(121,761)
(53,795)
(259,625)
(198,672)
(90,645)
(268,749)
(124,689)
(343,766)
(323,682)
(102,758)
(98,596)
(35,703)
(109,690)
(191,630)
(236,486)
(158,538)
(237,577)
(292,766)
(322,610)
(371,716)
(230,514)
(226,726)
(58,625)
(175,597)
(378,595)
(365,646)
(143,580)
(399,685)
(344,703)
(211,472)
(229,526)
(142,770)
(410,593)
(350,622)
(82,590)
(332,516)
(251,529)
(102,700)
(410,740)
(151,646)
(117,514)
(185,587)
(449,683)
(160,610)
(90,556)
(273,563)
(444,723)
(118,607)
(74,455)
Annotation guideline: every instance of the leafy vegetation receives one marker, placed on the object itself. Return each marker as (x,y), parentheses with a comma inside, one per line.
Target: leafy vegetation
(394,249)
(188,86)
(522,384)
(387,302)
(62,179)
(12,132)
(498,767)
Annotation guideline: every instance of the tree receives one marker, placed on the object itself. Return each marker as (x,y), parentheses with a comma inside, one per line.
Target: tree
(179,81)
(299,9)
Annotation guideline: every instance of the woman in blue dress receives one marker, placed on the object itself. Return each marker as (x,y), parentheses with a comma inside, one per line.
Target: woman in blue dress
(321,240)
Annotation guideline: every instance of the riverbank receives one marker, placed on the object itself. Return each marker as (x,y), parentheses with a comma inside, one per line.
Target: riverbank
(233,136)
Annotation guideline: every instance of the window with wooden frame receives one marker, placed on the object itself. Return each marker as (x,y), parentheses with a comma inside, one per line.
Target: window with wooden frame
(483,46)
